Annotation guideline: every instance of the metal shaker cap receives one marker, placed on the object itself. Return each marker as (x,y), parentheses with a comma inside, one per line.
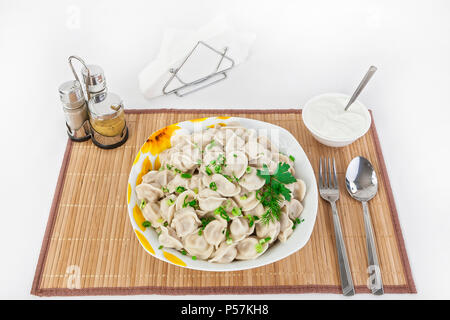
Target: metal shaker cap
(96,81)
(71,94)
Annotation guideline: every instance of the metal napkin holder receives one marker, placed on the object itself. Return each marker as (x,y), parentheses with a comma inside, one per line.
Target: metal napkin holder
(219,74)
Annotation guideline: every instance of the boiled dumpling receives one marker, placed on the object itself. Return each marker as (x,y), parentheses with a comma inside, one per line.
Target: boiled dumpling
(151,213)
(239,229)
(184,198)
(225,254)
(225,187)
(148,192)
(299,190)
(251,181)
(237,163)
(215,232)
(246,200)
(286,225)
(268,230)
(294,209)
(257,211)
(169,239)
(209,200)
(167,208)
(247,249)
(185,221)
(196,245)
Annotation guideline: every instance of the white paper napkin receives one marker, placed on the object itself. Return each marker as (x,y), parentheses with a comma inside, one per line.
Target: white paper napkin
(176,45)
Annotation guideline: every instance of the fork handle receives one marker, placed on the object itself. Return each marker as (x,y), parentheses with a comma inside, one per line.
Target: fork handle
(374,282)
(344,269)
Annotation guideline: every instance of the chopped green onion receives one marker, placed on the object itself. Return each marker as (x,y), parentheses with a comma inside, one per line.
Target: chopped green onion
(170,202)
(164,189)
(235,178)
(292,158)
(160,247)
(228,237)
(183,252)
(180,189)
(223,214)
(213,162)
(142,204)
(218,169)
(169,167)
(195,190)
(160,220)
(208,171)
(161,169)
(297,222)
(211,144)
(213,186)
(262,241)
(235,155)
(236,211)
(146,224)
(244,197)
(199,161)
(228,177)
(194,258)
(186,175)
(200,232)
(165,224)
(221,159)
(177,170)
(258,248)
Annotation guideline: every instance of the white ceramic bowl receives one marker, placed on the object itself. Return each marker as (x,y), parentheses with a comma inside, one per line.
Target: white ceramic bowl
(329,141)
(147,158)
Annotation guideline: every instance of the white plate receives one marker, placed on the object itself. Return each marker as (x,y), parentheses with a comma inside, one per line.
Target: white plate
(148,156)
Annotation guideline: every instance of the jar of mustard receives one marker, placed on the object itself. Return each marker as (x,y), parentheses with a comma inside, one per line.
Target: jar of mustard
(106,111)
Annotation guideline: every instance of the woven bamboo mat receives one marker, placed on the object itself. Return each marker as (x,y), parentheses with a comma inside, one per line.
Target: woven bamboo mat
(89,247)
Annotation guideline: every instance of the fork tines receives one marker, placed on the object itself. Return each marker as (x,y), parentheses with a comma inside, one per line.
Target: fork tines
(329,180)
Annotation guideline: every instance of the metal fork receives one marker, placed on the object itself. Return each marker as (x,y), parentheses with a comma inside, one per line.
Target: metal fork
(329,191)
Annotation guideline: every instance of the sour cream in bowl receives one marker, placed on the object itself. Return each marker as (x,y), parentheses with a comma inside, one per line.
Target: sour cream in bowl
(329,123)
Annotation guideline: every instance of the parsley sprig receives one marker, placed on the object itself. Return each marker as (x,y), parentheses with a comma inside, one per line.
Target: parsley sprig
(274,190)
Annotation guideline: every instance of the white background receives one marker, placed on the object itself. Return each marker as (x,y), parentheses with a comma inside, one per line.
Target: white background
(303,48)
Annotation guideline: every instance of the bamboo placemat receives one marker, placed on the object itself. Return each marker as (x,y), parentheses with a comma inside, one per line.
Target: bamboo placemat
(89,247)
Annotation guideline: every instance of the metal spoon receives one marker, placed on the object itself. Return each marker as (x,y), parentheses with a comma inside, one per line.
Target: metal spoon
(361,86)
(362,184)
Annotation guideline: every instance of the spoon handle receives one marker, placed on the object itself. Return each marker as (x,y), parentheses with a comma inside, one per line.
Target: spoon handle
(344,269)
(361,86)
(374,282)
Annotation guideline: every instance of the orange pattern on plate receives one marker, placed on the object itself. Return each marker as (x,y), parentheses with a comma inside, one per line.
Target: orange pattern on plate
(223,118)
(220,124)
(146,167)
(128,193)
(157,163)
(138,217)
(198,120)
(160,140)
(144,241)
(174,259)
(137,158)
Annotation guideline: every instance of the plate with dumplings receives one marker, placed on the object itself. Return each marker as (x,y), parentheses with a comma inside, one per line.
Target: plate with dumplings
(222,194)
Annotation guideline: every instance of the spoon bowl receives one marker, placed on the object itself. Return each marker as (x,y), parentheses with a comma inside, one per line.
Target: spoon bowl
(361,180)
(362,184)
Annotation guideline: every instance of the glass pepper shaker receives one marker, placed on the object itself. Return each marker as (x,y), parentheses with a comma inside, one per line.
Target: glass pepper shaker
(75,110)
(106,110)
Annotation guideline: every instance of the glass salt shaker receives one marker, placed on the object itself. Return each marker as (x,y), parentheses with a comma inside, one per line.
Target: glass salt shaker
(106,110)
(75,110)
